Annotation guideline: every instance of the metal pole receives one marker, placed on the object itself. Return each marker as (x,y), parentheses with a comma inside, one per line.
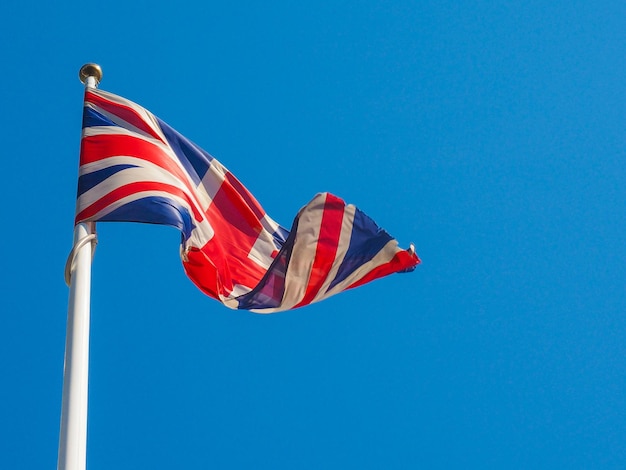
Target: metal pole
(73,434)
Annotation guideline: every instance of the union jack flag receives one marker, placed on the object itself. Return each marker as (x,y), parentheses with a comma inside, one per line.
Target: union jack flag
(136,168)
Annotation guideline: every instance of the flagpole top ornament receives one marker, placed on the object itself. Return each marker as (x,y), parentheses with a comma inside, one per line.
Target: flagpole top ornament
(90,70)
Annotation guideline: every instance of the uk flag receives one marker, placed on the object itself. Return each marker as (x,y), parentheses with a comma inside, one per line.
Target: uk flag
(136,168)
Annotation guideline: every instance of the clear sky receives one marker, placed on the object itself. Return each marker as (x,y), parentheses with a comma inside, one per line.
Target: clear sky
(490,134)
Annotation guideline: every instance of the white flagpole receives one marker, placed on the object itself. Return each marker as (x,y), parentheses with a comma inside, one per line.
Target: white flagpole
(73,435)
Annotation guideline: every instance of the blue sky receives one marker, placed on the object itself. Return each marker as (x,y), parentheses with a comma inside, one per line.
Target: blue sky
(490,134)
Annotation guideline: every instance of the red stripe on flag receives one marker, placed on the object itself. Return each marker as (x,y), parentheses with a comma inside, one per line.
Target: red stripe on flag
(402,260)
(328,241)
(231,205)
(202,272)
(248,198)
(202,266)
(132,188)
(234,267)
(237,229)
(98,147)
(126,113)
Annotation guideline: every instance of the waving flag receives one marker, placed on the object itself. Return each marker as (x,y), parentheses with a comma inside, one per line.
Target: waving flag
(136,168)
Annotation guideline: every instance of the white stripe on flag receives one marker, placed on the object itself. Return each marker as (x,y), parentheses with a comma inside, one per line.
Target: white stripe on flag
(303,254)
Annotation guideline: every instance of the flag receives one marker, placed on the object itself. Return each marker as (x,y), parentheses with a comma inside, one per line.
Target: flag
(136,168)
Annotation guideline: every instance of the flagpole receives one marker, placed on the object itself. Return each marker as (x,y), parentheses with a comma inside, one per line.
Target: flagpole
(73,434)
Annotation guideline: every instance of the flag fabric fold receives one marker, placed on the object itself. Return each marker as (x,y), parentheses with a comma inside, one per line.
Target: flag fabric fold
(136,168)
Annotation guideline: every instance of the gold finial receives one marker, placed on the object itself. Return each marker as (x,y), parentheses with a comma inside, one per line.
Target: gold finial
(90,70)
